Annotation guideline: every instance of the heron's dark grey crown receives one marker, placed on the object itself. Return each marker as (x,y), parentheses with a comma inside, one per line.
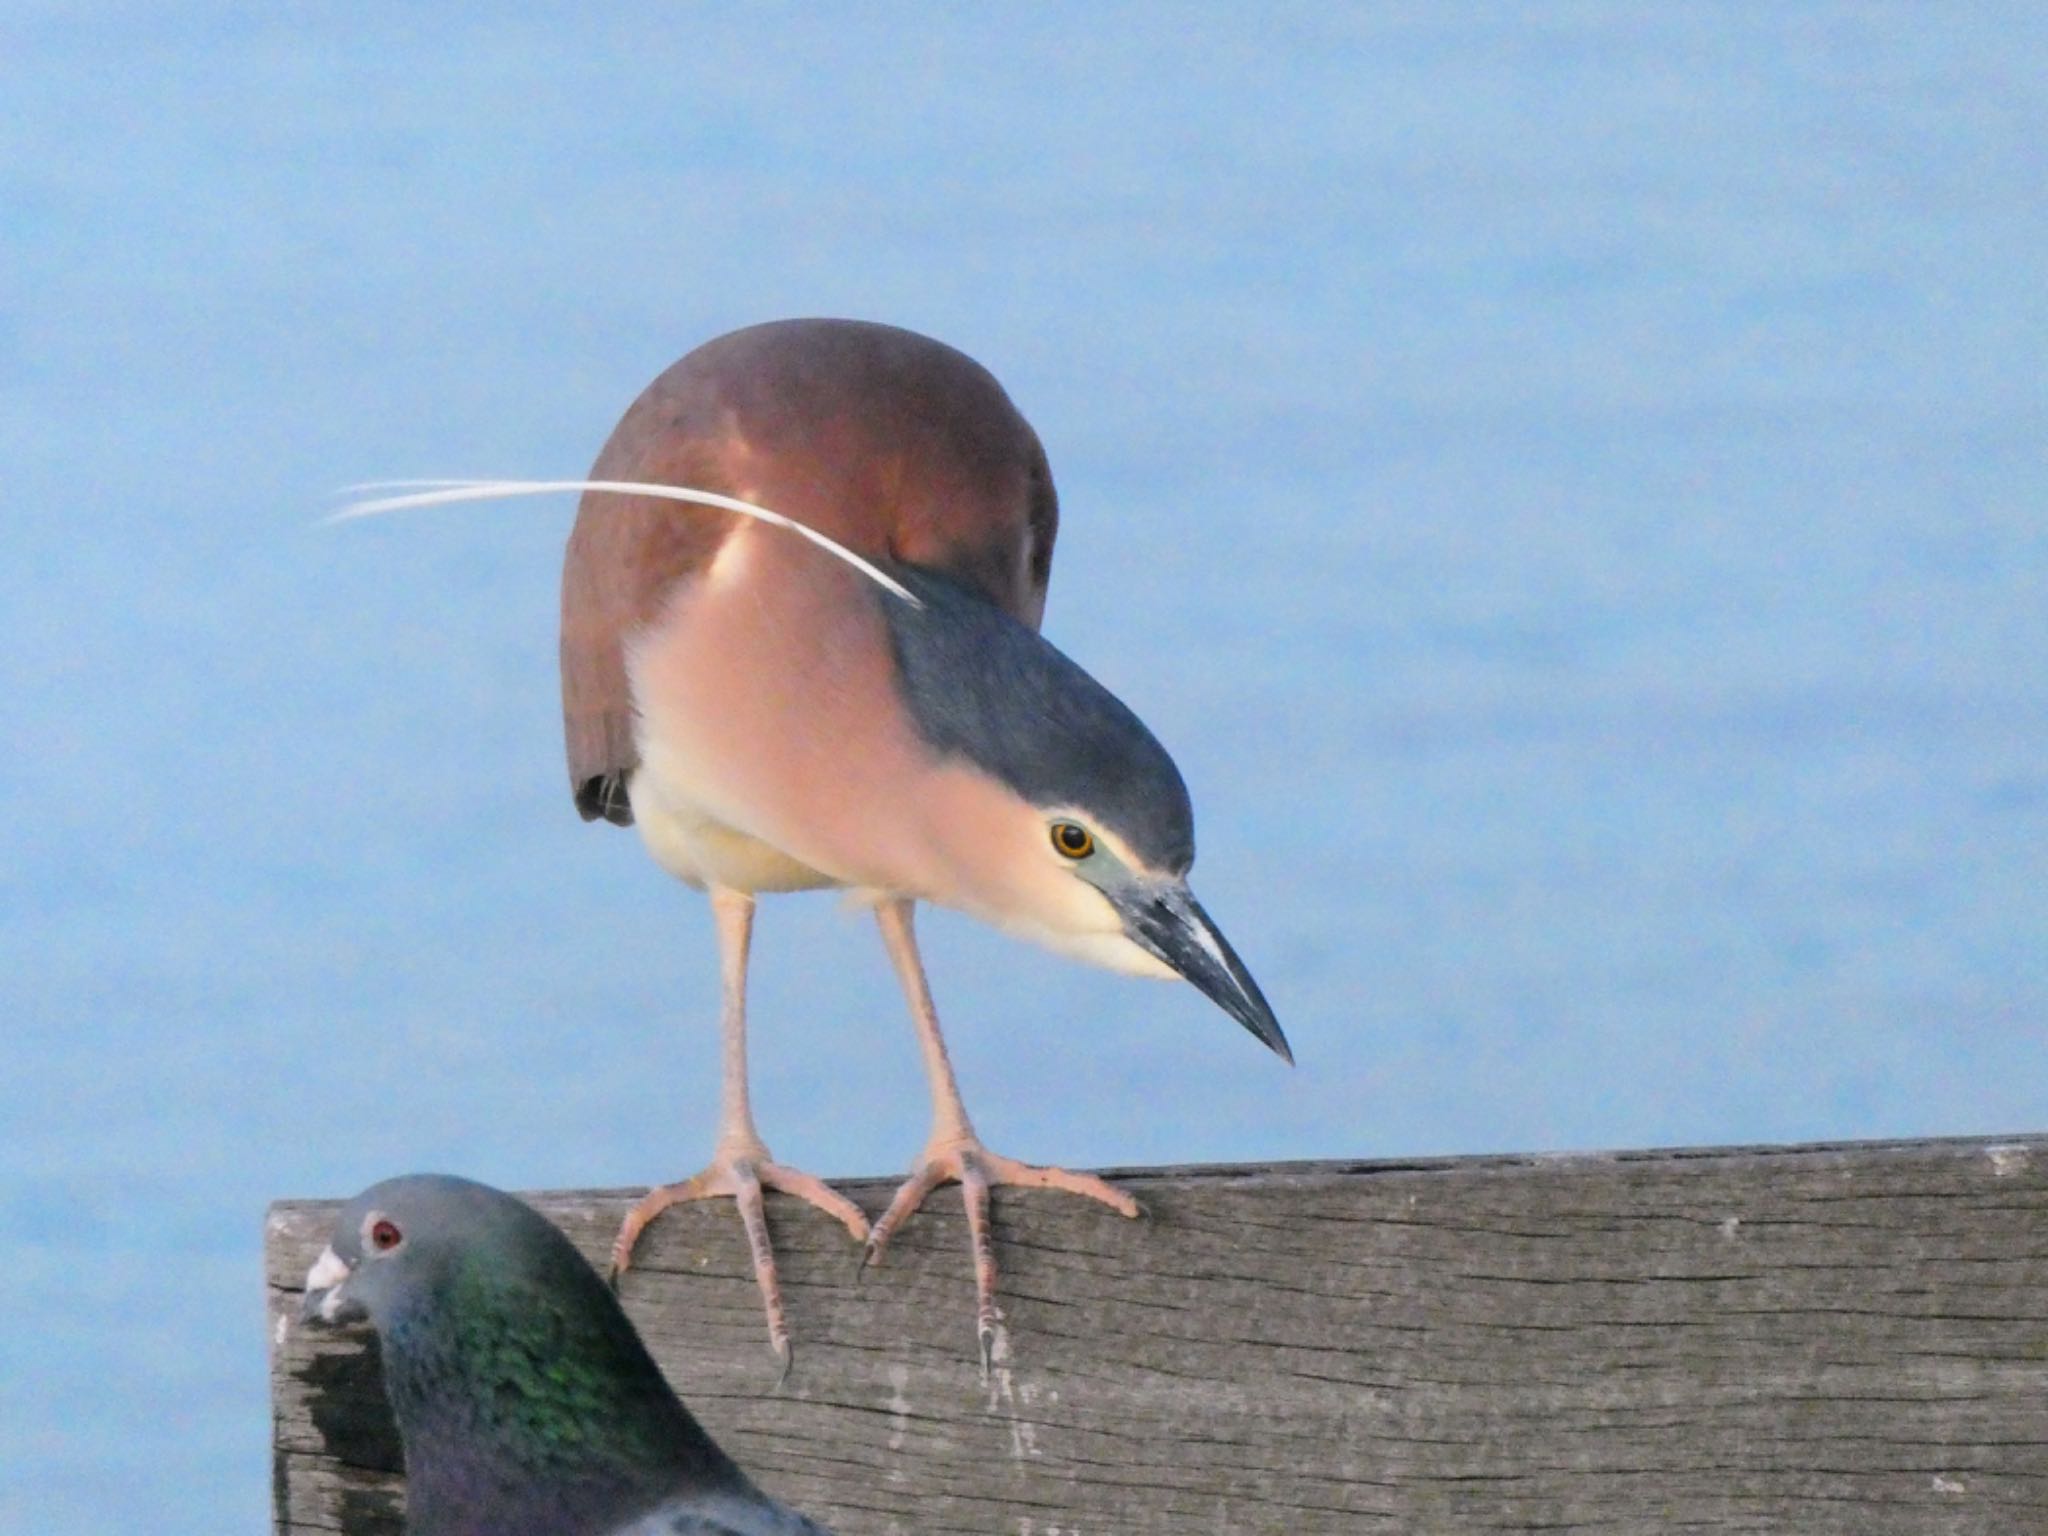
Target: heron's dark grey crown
(983,686)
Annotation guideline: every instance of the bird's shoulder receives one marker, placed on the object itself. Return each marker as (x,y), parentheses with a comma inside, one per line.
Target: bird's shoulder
(894,445)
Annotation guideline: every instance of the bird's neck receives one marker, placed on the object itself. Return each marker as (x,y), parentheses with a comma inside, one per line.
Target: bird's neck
(524,1417)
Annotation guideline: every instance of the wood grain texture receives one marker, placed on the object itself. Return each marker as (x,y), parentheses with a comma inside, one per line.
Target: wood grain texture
(1818,1339)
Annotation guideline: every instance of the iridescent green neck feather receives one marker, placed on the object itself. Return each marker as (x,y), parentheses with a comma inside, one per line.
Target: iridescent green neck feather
(528,1404)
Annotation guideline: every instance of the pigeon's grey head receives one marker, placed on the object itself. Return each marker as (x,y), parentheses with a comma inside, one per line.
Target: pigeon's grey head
(406,1241)
(468,1289)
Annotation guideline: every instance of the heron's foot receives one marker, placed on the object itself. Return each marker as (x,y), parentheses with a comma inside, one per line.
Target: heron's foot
(966,1162)
(740,1172)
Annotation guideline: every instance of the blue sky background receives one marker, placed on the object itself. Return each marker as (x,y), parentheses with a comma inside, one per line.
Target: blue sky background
(1566,481)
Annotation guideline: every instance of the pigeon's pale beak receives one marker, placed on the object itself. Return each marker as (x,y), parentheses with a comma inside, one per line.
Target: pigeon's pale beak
(1167,921)
(326,1299)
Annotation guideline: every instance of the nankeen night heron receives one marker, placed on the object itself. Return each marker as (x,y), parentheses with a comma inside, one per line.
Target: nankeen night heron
(800,650)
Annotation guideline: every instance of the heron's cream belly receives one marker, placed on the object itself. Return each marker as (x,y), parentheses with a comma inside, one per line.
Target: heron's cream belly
(701,850)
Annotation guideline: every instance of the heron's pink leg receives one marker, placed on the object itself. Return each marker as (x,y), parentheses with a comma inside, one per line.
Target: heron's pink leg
(741,1167)
(954,1153)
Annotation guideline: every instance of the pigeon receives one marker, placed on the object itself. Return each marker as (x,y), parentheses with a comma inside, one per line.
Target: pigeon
(525,1399)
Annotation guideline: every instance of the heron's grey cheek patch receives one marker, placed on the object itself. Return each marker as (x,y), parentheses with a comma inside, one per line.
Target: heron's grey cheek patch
(981,686)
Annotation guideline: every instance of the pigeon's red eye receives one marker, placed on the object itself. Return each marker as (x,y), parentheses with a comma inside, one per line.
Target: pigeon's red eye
(384,1235)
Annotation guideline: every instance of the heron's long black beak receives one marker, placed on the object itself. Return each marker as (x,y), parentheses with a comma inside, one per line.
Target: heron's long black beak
(1169,922)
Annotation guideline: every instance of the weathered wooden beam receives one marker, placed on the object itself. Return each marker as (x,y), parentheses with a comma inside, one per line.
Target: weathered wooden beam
(1815,1339)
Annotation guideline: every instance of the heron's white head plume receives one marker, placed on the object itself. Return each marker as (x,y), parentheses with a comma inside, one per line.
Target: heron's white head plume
(411,494)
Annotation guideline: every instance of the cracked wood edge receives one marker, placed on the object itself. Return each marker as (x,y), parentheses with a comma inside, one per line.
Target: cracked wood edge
(1848,1338)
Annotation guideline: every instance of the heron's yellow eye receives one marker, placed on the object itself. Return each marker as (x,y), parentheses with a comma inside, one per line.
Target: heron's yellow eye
(1072,839)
